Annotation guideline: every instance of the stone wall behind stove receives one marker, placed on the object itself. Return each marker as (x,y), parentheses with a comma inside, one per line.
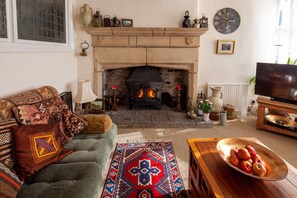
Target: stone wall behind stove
(171,77)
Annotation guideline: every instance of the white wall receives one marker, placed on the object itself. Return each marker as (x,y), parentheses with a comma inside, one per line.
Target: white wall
(254,38)
(23,71)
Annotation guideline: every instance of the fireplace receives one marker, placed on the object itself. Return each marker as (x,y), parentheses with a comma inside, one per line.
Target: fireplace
(166,48)
(145,86)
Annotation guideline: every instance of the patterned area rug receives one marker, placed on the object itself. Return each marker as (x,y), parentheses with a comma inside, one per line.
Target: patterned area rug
(144,170)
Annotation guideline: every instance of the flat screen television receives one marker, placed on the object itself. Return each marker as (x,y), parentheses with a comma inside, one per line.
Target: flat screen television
(278,81)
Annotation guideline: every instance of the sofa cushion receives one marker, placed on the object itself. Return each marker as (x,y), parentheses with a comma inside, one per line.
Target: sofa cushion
(36,146)
(97,123)
(70,124)
(27,97)
(6,142)
(30,114)
(9,182)
(75,180)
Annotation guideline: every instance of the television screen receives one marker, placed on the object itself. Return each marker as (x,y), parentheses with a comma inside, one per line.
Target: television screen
(278,81)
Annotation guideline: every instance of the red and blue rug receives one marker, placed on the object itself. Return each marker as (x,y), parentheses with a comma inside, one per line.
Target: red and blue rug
(143,170)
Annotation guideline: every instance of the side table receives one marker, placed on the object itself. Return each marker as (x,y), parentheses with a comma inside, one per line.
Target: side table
(210,176)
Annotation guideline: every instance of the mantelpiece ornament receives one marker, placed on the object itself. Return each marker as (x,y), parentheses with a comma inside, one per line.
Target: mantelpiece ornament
(189,40)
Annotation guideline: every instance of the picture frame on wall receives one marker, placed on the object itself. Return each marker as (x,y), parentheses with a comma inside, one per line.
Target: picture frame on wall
(127,22)
(225,46)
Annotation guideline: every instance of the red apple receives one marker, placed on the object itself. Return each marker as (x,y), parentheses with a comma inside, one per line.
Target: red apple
(234,160)
(246,166)
(233,151)
(261,162)
(243,154)
(256,157)
(251,150)
(259,169)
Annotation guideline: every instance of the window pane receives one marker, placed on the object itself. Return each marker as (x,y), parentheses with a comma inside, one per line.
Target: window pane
(3,22)
(41,20)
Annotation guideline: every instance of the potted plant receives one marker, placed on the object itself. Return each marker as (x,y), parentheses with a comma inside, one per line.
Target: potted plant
(206,107)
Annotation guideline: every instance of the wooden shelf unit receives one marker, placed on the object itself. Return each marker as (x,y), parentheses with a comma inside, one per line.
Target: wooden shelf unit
(275,105)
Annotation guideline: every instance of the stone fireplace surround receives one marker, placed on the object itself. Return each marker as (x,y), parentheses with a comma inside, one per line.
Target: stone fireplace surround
(172,48)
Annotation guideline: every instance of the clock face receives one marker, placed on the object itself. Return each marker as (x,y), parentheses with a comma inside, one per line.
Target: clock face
(226,20)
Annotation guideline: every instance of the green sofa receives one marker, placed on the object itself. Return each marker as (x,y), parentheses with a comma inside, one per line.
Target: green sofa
(78,175)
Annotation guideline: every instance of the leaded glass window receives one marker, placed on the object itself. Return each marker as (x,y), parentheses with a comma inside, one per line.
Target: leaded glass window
(3,20)
(41,20)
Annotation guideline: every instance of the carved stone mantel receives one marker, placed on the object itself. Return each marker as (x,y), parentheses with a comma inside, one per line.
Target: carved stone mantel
(175,48)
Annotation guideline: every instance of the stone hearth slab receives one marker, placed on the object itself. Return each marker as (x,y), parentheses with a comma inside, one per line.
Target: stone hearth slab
(155,118)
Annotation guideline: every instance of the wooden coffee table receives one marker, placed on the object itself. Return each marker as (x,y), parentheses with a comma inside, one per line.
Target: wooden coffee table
(210,176)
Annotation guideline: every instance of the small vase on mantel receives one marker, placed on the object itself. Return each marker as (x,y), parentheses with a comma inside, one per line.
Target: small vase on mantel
(206,116)
(216,98)
(86,14)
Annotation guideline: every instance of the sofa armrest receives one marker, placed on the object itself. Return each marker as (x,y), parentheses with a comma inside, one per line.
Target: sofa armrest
(97,123)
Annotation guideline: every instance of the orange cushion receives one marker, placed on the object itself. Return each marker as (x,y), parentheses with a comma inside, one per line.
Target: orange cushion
(97,123)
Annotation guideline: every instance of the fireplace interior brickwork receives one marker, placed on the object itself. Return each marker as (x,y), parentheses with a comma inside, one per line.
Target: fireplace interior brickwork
(170,79)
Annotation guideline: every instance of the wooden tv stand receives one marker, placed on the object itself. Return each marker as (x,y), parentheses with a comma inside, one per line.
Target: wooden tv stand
(275,105)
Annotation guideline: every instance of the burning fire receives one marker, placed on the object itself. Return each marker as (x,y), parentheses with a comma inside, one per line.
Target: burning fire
(151,93)
(140,93)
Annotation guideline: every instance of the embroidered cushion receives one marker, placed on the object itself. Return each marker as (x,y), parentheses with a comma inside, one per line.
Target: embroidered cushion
(69,123)
(30,114)
(9,182)
(36,146)
(5,142)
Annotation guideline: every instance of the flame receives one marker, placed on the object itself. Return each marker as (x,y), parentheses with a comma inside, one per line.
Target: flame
(140,93)
(151,93)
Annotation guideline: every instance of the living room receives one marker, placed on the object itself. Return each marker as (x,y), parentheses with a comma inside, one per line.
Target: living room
(255,40)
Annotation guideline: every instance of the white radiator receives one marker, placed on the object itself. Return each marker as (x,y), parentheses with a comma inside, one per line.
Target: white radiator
(235,94)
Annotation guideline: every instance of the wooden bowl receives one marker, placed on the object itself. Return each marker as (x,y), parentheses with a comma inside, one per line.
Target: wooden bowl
(281,121)
(276,168)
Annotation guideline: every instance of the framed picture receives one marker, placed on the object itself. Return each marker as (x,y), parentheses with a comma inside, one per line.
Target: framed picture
(127,23)
(97,104)
(225,46)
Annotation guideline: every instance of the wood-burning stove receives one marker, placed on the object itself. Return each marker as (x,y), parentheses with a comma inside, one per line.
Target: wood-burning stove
(145,86)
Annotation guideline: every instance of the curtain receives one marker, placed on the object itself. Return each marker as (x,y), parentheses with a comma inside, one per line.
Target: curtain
(286,31)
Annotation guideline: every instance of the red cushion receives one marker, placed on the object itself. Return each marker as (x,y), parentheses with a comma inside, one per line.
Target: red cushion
(36,146)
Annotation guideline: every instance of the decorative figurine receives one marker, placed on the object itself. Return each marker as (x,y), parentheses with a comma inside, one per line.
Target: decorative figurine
(187,21)
(107,21)
(97,19)
(196,23)
(203,22)
(116,22)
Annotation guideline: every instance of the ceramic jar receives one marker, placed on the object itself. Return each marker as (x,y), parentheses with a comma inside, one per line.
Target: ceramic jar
(86,14)
(216,98)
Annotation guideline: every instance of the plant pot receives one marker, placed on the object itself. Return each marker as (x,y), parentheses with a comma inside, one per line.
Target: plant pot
(214,116)
(206,117)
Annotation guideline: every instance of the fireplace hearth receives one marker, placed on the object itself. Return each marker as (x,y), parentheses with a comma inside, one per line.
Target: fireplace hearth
(145,87)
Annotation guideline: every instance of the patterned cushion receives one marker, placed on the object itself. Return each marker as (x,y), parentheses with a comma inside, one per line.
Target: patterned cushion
(27,97)
(30,114)
(5,142)
(9,183)
(36,146)
(69,123)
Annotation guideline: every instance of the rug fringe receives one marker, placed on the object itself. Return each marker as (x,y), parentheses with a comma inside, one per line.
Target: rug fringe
(144,140)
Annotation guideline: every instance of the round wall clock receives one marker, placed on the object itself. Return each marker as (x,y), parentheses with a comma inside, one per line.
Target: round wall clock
(226,20)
